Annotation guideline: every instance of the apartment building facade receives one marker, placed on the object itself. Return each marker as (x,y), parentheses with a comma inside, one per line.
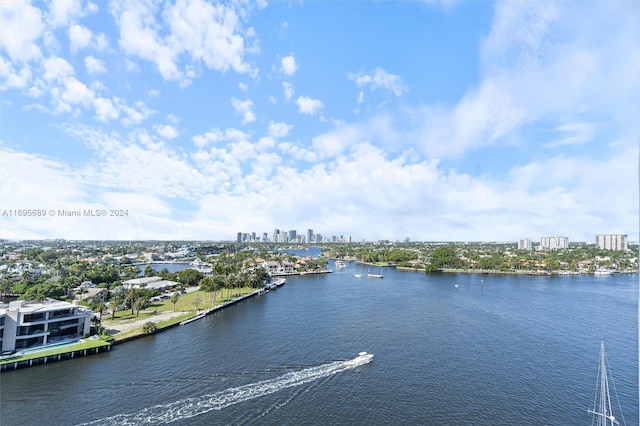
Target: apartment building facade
(553,243)
(616,242)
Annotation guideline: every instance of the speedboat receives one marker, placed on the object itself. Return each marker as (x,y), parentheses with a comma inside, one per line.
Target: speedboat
(340,264)
(357,275)
(361,359)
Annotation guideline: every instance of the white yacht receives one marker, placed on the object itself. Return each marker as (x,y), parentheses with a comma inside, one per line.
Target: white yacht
(340,264)
(603,271)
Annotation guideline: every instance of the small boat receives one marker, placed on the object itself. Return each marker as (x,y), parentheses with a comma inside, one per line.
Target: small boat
(602,411)
(361,359)
(603,271)
(456,286)
(357,275)
(370,275)
(340,264)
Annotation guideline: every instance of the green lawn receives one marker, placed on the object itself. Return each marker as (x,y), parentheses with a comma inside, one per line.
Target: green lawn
(185,305)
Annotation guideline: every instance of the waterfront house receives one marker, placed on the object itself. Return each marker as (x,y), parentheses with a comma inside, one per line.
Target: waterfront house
(155,283)
(279,268)
(25,325)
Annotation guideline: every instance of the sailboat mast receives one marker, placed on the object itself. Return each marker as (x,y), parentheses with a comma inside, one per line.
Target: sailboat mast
(604,413)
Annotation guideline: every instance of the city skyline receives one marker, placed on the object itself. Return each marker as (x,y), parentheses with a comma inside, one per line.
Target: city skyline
(434,121)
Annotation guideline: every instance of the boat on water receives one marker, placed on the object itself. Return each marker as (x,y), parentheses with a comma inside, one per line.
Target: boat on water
(370,275)
(602,410)
(340,264)
(361,359)
(357,275)
(603,271)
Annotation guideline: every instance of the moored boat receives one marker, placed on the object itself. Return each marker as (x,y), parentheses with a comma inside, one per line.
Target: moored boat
(602,410)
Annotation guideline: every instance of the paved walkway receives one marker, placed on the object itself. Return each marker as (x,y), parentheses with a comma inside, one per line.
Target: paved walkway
(116,327)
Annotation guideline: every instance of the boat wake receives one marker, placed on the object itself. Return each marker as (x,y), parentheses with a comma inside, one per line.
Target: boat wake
(191,407)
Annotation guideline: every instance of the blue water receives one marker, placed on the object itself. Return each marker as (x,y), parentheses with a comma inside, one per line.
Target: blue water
(500,350)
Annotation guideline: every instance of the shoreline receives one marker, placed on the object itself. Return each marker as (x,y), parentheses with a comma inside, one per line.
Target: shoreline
(496,272)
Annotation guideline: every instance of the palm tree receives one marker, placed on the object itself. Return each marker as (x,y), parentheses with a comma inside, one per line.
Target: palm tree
(138,304)
(149,327)
(174,300)
(132,295)
(113,305)
(100,308)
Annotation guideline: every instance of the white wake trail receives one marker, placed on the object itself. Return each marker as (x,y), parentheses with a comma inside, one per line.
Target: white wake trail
(191,407)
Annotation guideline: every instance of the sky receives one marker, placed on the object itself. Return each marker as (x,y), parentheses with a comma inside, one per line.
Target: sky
(428,120)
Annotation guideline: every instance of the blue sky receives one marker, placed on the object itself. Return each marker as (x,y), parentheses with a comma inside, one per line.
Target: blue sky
(429,120)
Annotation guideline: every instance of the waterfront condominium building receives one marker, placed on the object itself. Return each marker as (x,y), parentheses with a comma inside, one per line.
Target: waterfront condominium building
(524,244)
(309,236)
(552,243)
(611,242)
(25,325)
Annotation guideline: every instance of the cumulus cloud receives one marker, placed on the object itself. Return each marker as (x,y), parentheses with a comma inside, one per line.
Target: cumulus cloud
(79,37)
(288,65)
(307,105)
(203,32)
(245,108)
(379,79)
(167,131)
(21,27)
(279,130)
(94,66)
(287,90)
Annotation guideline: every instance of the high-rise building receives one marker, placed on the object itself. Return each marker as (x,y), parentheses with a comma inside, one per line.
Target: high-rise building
(524,244)
(309,236)
(611,242)
(239,238)
(552,243)
(293,235)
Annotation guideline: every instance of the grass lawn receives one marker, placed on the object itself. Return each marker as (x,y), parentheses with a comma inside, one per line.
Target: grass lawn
(185,304)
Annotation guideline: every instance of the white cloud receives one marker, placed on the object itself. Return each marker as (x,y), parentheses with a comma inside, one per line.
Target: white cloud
(213,136)
(102,42)
(204,32)
(288,65)
(167,131)
(573,134)
(94,66)
(287,90)
(21,27)
(279,130)
(63,12)
(245,108)
(242,86)
(57,68)
(105,109)
(308,105)
(14,80)
(79,37)
(131,66)
(380,79)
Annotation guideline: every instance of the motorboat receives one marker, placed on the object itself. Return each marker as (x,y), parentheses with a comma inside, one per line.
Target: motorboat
(361,359)
(603,271)
(340,264)
(357,275)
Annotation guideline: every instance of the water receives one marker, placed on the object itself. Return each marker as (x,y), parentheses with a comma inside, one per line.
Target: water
(504,350)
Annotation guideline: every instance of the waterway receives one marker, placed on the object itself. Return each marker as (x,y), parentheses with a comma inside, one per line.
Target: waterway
(499,350)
